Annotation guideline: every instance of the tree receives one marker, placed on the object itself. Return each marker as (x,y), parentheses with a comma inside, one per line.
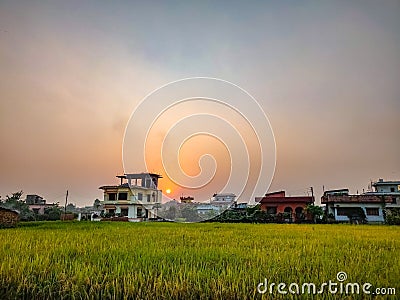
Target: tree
(71,208)
(14,202)
(393,216)
(53,213)
(15,197)
(315,211)
(96,204)
(189,213)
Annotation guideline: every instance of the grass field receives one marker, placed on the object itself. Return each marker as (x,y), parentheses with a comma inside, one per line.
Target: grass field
(191,261)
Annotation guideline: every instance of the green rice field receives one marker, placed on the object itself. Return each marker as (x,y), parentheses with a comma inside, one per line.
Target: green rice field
(117,260)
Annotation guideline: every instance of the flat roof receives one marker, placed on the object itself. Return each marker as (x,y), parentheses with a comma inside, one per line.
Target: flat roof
(386,183)
(139,175)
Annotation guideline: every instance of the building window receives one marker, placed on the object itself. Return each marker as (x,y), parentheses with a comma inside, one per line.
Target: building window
(271,210)
(394,200)
(288,209)
(111,211)
(392,189)
(372,211)
(140,196)
(123,196)
(112,196)
(148,198)
(299,212)
(139,212)
(341,211)
(36,210)
(124,212)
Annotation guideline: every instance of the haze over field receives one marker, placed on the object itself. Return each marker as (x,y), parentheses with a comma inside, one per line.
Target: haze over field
(326,74)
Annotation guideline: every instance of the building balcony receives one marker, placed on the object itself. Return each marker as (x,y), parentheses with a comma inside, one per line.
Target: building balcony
(128,202)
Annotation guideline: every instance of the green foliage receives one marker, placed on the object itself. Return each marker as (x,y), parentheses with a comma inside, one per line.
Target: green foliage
(14,202)
(116,260)
(71,208)
(53,213)
(189,213)
(393,216)
(96,204)
(315,211)
(252,214)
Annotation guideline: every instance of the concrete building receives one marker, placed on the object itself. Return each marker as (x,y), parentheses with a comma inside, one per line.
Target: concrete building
(187,199)
(387,188)
(37,204)
(223,198)
(137,197)
(355,208)
(291,207)
(209,209)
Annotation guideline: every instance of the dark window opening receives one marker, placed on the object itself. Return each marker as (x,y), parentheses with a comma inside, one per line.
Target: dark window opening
(112,196)
(372,211)
(123,196)
(341,211)
(124,212)
(288,209)
(392,189)
(272,210)
(394,200)
(140,196)
(148,198)
(139,212)
(299,212)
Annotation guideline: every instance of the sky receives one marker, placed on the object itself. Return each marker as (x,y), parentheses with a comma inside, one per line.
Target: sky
(326,73)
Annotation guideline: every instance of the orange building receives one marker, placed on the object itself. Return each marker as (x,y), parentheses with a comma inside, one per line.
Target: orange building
(291,208)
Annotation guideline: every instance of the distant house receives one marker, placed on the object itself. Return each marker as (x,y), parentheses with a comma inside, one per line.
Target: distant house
(239,205)
(223,198)
(136,199)
(37,204)
(218,203)
(354,208)
(291,207)
(8,217)
(209,209)
(387,188)
(187,199)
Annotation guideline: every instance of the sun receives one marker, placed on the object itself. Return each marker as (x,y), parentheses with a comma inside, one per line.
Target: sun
(168,191)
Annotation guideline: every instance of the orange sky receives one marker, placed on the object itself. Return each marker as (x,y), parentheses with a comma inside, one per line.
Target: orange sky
(326,74)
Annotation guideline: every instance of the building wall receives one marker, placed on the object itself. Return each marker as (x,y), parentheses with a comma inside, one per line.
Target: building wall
(393,188)
(280,208)
(332,209)
(137,198)
(38,208)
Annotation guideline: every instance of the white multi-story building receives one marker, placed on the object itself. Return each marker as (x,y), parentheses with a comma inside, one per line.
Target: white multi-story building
(387,188)
(223,198)
(137,197)
(344,207)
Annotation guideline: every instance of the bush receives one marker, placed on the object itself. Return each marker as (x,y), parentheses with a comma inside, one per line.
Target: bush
(393,216)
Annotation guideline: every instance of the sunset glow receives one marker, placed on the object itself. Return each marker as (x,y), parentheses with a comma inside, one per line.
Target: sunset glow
(326,74)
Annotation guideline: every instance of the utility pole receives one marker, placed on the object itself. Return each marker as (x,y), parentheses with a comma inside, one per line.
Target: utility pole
(66,201)
(312,193)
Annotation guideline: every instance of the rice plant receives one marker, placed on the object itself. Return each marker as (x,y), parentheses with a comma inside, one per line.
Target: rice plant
(101,260)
